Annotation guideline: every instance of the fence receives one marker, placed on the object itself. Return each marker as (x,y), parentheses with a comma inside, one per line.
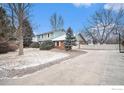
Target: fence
(101,47)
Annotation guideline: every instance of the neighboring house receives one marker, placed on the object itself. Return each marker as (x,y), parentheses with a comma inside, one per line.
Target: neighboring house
(58,37)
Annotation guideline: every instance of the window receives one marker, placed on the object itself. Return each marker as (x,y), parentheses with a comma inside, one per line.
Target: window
(38,36)
(48,35)
(42,36)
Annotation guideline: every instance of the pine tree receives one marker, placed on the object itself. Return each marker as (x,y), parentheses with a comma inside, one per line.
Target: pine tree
(70,39)
(4,23)
(27,33)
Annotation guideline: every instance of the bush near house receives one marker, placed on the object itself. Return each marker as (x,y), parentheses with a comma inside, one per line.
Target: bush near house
(27,43)
(47,45)
(35,45)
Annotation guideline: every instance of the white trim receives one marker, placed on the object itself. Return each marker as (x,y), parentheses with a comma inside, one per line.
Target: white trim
(59,43)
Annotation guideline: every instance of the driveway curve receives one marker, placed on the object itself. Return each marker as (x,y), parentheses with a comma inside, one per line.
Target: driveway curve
(97,67)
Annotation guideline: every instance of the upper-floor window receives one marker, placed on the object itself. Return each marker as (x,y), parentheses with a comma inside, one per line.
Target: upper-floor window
(42,36)
(48,35)
(38,36)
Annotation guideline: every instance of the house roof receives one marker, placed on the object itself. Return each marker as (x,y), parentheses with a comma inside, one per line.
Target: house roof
(79,37)
(60,38)
(45,33)
(49,32)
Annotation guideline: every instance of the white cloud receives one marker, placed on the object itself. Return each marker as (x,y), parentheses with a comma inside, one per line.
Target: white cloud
(115,6)
(82,4)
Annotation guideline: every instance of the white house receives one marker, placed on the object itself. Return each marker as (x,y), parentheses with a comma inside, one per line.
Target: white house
(58,37)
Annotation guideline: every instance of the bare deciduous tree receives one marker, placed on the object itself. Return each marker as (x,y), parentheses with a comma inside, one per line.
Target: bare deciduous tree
(103,23)
(19,11)
(56,22)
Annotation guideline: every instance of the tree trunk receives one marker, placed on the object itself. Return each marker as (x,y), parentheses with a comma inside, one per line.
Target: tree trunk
(20,41)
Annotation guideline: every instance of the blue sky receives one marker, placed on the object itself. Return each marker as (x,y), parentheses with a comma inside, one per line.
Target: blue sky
(74,15)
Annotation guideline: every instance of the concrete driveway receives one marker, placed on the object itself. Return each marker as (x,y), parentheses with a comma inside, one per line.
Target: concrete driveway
(97,67)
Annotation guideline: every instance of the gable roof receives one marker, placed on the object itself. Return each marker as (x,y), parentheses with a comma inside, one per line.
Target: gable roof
(50,32)
(62,38)
(45,33)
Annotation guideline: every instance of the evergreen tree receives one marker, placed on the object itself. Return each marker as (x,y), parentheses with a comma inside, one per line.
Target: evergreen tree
(70,39)
(27,33)
(4,23)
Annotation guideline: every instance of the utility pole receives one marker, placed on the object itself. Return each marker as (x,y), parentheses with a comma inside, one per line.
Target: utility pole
(119,42)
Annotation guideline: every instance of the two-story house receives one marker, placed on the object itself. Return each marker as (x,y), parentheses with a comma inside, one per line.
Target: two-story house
(51,35)
(58,37)
(48,35)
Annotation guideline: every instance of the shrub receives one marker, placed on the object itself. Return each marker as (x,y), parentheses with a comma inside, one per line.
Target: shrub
(47,45)
(27,43)
(4,47)
(12,47)
(35,45)
(123,43)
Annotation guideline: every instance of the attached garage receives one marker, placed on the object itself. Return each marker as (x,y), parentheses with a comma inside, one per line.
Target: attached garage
(59,41)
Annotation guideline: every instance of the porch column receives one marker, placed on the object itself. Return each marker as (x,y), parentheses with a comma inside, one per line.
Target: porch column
(59,43)
(55,43)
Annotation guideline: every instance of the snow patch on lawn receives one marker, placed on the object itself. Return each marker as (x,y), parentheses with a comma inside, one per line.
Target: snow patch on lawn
(31,58)
(38,60)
